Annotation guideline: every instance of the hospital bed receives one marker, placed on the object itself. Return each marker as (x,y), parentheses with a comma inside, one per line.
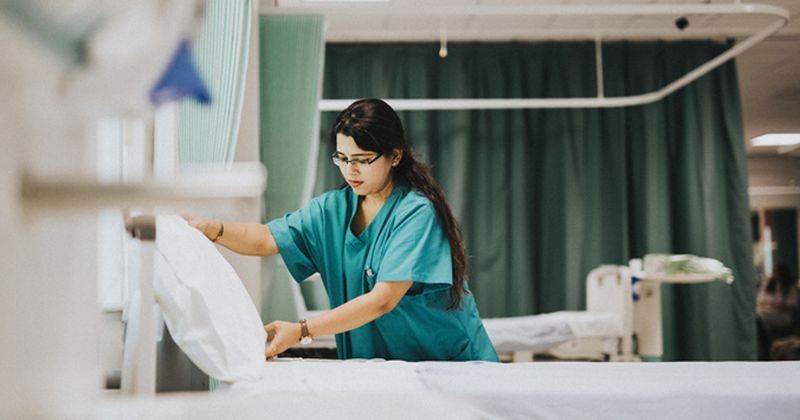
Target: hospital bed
(298,388)
(467,390)
(549,390)
(603,332)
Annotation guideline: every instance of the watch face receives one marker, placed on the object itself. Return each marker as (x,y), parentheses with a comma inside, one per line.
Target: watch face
(305,340)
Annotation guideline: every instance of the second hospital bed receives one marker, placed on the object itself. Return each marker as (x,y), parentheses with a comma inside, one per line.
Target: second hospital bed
(604,331)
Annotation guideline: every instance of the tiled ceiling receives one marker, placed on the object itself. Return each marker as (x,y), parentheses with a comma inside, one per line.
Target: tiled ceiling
(769,77)
(769,73)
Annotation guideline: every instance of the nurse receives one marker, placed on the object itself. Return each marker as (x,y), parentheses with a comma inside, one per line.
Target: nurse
(388,249)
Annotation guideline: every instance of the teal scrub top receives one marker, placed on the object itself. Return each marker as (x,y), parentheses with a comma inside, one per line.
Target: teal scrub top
(404,242)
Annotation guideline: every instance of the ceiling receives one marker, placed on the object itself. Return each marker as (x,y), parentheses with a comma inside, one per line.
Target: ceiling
(769,72)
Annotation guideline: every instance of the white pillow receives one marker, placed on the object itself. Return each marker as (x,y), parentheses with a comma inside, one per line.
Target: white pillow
(206,308)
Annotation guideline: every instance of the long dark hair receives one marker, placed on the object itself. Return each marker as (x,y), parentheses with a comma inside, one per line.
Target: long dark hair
(374,126)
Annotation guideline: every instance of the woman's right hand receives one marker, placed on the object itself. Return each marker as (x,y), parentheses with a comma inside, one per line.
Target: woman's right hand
(242,238)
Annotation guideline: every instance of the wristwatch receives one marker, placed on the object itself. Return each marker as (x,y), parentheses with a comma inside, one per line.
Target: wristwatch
(305,336)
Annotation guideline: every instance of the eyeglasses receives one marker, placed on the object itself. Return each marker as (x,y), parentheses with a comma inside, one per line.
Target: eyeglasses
(342,161)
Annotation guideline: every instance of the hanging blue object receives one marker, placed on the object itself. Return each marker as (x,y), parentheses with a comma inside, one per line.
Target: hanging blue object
(181,79)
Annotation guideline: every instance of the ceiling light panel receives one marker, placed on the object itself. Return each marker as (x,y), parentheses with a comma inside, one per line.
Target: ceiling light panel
(776,139)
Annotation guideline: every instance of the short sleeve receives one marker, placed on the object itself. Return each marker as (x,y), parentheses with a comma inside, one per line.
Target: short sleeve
(418,250)
(296,234)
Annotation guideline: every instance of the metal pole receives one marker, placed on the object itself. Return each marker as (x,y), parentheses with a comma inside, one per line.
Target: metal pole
(781,15)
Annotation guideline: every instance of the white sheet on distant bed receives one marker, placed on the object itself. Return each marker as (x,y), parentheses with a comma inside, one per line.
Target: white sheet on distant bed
(541,332)
(556,389)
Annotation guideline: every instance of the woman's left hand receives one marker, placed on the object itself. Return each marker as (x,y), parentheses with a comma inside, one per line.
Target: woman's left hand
(281,335)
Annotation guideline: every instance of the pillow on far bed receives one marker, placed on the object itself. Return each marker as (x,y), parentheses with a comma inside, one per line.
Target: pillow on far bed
(206,308)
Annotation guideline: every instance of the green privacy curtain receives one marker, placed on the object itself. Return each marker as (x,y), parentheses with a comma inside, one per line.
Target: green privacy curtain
(291,60)
(292,51)
(544,196)
(208,133)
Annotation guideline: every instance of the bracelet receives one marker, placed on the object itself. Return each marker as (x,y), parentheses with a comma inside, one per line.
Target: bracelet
(221,231)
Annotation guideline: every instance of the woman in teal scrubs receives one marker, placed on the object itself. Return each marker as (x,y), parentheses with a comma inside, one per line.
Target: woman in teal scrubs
(386,245)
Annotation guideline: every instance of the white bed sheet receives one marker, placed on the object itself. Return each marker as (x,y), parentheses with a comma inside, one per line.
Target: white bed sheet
(702,390)
(538,333)
(337,405)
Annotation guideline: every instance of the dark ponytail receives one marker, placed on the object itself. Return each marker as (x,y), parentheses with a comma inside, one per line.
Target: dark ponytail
(374,126)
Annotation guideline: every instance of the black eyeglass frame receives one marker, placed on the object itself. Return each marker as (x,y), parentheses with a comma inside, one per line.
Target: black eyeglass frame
(338,160)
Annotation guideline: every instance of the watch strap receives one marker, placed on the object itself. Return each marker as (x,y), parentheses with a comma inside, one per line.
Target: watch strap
(304,329)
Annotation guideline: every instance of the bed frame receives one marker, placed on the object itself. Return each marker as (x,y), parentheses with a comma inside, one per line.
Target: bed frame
(609,290)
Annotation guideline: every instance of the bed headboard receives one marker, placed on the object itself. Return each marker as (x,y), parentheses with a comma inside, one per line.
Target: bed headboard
(608,289)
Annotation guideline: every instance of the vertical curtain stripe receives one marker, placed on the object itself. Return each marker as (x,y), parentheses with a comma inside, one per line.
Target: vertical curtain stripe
(208,133)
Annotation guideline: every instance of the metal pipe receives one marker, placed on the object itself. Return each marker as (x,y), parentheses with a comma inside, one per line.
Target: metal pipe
(199,189)
(598,64)
(774,190)
(535,10)
(780,14)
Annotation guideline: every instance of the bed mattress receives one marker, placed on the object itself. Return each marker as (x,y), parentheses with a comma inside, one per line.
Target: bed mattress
(707,390)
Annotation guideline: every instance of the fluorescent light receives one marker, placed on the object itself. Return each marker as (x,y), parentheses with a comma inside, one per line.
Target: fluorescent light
(772,140)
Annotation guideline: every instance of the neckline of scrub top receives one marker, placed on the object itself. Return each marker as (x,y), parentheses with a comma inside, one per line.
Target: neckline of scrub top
(364,236)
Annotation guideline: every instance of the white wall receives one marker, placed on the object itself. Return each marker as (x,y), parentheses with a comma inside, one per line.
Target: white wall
(49,320)
(773,171)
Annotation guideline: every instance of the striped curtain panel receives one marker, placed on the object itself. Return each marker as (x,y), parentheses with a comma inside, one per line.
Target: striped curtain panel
(208,133)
